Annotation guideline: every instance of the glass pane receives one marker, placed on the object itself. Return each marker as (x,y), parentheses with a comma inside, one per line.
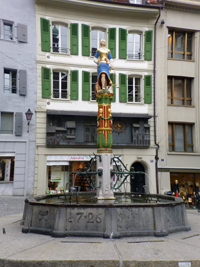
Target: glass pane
(188,89)
(55,36)
(137,89)
(130,89)
(8,31)
(7,79)
(137,46)
(94,41)
(63,48)
(170,133)
(64,76)
(94,80)
(170,42)
(6,123)
(169,90)
(189,134)
(178,91)
(179,41)
(179,137)
(189,57)
(178,56)
(190,149)
(55,84)
(130,45)
(101,36)
(56,76)
(189,42)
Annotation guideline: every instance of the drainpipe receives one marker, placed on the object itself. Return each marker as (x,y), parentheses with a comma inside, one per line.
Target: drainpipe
(154,109)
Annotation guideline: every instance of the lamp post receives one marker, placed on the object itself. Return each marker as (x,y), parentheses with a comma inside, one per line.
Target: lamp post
(29,115)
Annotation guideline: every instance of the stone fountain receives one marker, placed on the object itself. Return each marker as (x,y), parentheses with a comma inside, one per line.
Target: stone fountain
(104,213)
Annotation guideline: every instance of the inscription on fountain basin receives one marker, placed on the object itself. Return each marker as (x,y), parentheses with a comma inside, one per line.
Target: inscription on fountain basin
(85,219)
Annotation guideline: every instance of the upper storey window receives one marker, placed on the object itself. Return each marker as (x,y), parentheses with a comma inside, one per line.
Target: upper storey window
(130,45)
(96,35)
(8,30)
(59,39)
(64,37)
(134,46)
(180,45)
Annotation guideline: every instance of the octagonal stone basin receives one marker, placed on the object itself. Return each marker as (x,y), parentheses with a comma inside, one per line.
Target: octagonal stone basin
(72,214)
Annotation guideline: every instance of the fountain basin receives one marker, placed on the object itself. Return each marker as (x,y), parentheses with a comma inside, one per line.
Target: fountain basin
(130,214)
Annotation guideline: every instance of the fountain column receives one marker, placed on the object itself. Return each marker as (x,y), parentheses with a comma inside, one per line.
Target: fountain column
(104,144)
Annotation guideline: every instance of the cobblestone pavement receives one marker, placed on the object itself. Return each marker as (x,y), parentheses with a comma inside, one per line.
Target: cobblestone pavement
(10,205)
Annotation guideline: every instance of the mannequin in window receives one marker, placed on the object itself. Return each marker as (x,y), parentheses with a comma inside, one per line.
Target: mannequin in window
(103,59)
(175,188)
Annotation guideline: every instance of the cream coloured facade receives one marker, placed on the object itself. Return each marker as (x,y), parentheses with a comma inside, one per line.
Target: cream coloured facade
(66,108)
(177,83)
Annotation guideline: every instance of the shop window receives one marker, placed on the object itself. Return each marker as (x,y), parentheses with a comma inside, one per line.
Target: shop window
(60,81)
(179,91)
(60,38)
(180,137)
(7,169)
(134,45)
(135,1)
(180,45)
(96,35)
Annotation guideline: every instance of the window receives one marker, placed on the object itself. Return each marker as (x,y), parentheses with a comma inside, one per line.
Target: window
(141,133)
(59,38)
(7,166)
(10,81)
(134,91)
(94,80)
(179,45)
(180,137)
(96,36)
(60,84)
(179,91)
(8,30)
(134,46)
(135,1)
(6,123)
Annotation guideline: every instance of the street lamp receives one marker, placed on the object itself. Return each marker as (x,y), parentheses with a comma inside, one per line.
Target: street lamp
(29,115)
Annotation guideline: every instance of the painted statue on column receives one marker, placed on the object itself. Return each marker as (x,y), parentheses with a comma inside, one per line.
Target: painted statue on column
(103,59)
(104,95)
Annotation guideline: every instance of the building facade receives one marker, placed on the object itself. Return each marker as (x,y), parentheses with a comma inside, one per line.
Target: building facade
(177,79)
(68,35)
(18,94)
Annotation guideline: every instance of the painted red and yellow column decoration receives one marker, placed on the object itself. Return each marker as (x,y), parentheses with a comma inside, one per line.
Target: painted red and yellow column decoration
(104,122)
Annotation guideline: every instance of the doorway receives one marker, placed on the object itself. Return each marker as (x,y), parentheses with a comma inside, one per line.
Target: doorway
(137,184)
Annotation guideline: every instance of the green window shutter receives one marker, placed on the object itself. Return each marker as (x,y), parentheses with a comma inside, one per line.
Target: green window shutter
(148,89)
(148,45)
(46,82)
(85,40)
(122,88)
(113,79)
(45,34)
(74,38)
(122,43)
(74,85)
(112,41)
(85,85)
